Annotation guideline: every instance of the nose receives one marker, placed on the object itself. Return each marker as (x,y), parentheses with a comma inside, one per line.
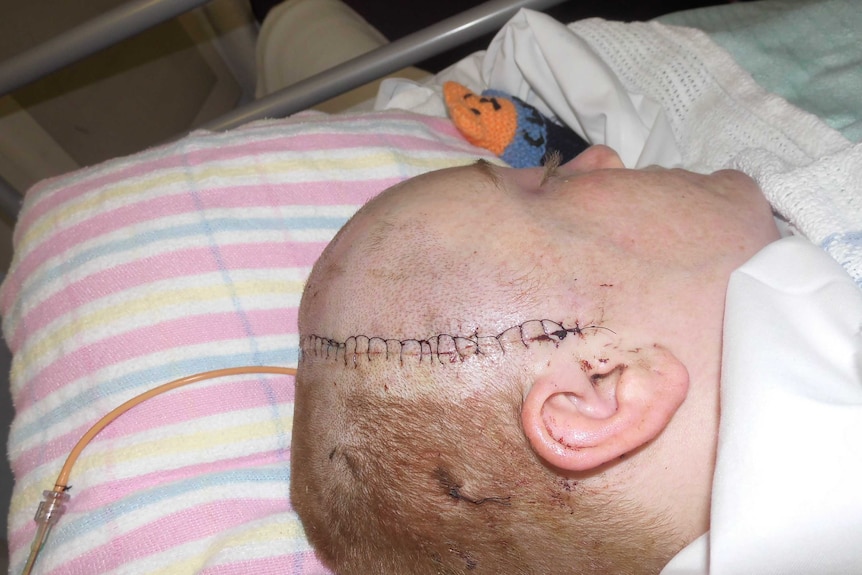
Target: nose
(596,157)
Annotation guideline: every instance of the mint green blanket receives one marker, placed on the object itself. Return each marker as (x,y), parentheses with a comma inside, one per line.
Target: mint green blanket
(807,51)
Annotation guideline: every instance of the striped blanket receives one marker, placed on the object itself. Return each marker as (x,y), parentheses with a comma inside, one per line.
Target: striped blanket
(177,260)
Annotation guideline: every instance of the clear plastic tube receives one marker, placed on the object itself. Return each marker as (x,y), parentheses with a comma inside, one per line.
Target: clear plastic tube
(52,507)
(47,514)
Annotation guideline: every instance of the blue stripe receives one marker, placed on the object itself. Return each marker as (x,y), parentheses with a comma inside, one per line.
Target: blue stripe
(853,238)
(282,435)
(46,275)
(103,518)
(143,380)
(850,241)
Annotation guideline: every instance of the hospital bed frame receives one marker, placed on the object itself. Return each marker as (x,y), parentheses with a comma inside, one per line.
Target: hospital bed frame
(138,15)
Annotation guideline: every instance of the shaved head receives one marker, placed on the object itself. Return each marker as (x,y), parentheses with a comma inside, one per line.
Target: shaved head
(516,371)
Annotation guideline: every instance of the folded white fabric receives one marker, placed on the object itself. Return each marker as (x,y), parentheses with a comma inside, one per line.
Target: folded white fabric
(786,497)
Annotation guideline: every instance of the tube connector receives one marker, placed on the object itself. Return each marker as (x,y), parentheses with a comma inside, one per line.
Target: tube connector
(47,514)
(51,508)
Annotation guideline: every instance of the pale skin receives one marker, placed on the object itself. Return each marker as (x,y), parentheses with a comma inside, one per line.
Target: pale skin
(642,256)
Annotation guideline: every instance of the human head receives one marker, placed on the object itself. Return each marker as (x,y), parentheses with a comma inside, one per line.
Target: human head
(516,371)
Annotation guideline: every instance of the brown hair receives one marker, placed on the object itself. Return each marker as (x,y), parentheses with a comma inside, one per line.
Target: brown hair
(426,485)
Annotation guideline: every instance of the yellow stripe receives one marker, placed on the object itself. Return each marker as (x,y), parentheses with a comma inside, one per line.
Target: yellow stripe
(51,221)
(189,565)
(148,303)
(290,529)
(270,533)
(190,443)
(186,443)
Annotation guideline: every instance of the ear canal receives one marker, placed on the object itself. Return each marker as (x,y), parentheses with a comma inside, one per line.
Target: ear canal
(575,425)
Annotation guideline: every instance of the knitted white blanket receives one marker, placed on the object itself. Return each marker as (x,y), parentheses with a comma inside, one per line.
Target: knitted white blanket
(721,118)
(670,96)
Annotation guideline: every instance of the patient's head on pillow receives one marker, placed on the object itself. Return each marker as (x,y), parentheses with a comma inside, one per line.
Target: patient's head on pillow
(516,371)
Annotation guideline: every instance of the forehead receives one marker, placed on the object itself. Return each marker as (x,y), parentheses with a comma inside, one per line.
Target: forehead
(415,259)
(491,197)
(483,248)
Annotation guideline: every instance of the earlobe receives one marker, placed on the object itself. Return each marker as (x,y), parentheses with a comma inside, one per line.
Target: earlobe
(579,420)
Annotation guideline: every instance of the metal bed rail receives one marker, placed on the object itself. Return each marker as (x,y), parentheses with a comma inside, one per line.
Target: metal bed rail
(428,42)
(139,15)
(88,38)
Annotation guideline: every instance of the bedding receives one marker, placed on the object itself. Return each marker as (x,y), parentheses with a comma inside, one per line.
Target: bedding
(808,52)
(177,260)
(191,256)
(670,96)
(791,417)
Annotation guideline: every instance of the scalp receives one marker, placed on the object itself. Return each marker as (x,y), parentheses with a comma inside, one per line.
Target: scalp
(424,485)
(415,467)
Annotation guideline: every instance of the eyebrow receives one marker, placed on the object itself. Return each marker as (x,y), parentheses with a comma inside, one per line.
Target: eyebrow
(486,168)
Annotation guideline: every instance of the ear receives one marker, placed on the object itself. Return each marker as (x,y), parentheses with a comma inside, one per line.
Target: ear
(578,417)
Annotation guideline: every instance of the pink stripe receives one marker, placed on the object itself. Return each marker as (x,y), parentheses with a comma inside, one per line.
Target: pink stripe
(322,193)
(51,450)
(106,494)
(297,563)
(171,531)
(183,405)
(224,148)
(151,339)
(269,196)
(182,263)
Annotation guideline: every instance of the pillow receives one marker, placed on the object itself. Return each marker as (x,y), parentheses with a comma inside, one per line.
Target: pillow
(180,259)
